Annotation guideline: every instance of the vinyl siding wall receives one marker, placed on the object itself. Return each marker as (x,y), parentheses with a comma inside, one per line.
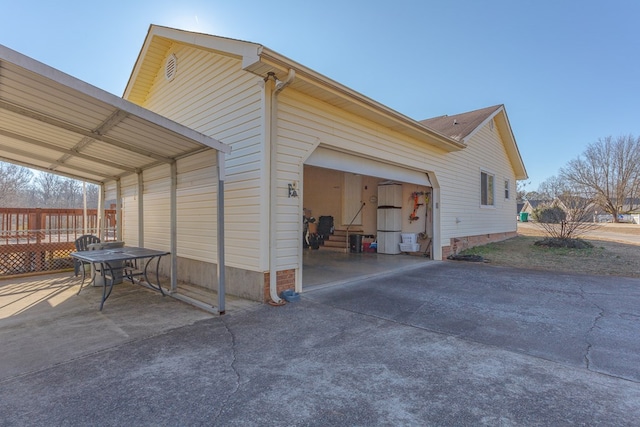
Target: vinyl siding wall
(211,94)
(196,199)
(129,188)
(462,213)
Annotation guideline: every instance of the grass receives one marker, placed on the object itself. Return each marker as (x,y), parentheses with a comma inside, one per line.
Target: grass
(605,258)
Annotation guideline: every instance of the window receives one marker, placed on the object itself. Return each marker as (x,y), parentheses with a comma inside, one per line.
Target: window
(486,189)
(506,189)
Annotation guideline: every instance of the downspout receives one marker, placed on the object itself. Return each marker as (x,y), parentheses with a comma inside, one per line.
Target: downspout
(279,86)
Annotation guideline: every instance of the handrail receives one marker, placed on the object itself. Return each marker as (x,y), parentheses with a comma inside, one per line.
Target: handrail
(351,223)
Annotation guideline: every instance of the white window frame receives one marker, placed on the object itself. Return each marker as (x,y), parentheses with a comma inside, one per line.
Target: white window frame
(507,189)
(490,189)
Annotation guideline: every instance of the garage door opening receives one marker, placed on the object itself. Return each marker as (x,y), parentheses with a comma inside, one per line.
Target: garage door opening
(357,225)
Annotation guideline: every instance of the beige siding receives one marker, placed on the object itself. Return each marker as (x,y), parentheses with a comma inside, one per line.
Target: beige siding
(157,213)
(130,210)
(197,199)
(213,95)
(462,213)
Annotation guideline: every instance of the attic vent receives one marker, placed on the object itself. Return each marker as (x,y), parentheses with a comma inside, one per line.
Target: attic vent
(171,67)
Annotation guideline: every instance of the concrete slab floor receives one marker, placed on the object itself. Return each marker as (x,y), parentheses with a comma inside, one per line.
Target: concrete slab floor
(43,322)
(323,268)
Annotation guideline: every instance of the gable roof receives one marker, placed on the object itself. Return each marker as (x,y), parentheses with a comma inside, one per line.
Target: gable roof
(261,61)
(462,127)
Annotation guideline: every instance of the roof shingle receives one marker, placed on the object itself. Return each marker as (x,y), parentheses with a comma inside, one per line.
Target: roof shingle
(459,126)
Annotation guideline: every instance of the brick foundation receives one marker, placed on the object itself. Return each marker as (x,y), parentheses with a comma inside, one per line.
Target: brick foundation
(285,279)
(459,244)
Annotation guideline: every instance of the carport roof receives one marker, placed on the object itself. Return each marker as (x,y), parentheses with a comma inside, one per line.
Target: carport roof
(56,123)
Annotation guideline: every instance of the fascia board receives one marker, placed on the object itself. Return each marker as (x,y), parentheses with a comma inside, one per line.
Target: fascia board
(512,146)
(247,51)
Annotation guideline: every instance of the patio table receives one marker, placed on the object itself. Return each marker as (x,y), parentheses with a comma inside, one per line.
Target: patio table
(126,258)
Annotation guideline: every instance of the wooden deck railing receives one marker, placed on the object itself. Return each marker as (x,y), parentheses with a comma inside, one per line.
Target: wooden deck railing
(37,240)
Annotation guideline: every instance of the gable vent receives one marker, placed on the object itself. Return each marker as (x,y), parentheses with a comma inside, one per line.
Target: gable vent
(171,67)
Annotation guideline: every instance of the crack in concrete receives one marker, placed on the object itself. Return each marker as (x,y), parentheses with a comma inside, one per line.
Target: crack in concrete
(594,325)
(234,359)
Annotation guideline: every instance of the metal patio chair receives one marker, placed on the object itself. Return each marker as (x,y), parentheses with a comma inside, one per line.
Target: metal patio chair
(82,244)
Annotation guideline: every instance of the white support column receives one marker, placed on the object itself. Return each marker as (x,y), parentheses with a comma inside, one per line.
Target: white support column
(220,214)
(100,213)
(85,217)
(119,210)
(140,210)
(174,227)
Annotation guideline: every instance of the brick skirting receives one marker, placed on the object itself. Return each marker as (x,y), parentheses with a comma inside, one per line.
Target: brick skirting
(459,244)
(285,279)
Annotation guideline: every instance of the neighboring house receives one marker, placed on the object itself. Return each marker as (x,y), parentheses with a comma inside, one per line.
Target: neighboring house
(303,141)
(530,206)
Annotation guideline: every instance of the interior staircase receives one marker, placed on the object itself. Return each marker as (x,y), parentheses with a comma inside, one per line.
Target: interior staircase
(338,241)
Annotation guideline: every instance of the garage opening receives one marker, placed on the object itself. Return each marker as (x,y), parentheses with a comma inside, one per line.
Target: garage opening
(357,225)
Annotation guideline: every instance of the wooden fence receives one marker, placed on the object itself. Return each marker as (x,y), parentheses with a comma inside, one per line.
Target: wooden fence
(37,240)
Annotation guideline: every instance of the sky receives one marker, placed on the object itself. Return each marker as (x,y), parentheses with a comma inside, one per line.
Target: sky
(567,71)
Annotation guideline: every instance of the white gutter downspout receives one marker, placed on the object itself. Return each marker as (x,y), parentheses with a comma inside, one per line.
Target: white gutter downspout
(273,180)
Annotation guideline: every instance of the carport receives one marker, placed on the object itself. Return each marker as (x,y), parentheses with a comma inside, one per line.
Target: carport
(56,123)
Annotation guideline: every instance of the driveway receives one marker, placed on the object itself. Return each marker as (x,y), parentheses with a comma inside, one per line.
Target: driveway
(444,344)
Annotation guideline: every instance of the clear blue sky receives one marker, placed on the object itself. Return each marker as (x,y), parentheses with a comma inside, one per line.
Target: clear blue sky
(568,71)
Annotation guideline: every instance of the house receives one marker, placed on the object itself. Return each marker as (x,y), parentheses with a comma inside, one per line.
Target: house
(301,141)
(530,206)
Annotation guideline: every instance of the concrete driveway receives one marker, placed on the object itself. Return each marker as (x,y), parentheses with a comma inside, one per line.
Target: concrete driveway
(444,344)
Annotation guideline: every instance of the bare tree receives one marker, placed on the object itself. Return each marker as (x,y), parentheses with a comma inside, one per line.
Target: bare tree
(521,191)
(15,182)
(552,188)
(610,170)
(570,215)
(47,187)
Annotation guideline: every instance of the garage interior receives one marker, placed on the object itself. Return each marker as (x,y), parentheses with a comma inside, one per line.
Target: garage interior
(347,229)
